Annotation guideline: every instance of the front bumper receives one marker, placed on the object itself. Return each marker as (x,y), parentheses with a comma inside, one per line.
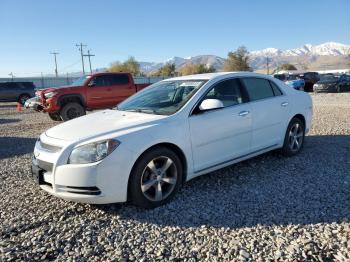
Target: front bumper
(325,89)
(102,182)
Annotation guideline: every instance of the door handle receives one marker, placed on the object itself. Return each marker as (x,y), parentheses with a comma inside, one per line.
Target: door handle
(243,113)
(284,104)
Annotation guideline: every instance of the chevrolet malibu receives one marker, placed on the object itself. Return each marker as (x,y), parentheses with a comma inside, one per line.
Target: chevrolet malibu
(177,129)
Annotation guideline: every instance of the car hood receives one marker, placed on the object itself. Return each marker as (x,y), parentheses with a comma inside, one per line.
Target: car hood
(50,89)
(100,123)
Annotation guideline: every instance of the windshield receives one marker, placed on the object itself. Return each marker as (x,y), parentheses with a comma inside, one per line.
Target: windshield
(80,81)
(329,78)
(164,98)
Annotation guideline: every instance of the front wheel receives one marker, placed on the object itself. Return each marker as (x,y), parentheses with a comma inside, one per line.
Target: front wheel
(55,116)
(155,178)
(71,111)
(294,138)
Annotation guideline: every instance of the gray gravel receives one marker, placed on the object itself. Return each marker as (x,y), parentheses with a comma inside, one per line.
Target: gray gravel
(267,208)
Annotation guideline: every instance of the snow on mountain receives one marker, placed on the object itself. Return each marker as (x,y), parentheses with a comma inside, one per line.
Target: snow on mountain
(258,57)
(267,52)
(329,48)
(209,60)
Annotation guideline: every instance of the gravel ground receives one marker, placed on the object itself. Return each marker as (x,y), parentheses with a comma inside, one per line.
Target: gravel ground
(268,208)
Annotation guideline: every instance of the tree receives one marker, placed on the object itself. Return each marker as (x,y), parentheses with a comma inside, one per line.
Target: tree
(287,67)
(167,70)
(191,69)
(128,66)
(237,60)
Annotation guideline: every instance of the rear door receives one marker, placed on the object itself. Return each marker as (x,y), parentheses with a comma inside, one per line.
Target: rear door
(221,135)
(122,87)
(99,92)
(270,111)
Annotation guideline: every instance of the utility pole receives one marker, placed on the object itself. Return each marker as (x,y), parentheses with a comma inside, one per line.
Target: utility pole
(82,55)
(89,55)
(55,54)
(12,75)
(267,65)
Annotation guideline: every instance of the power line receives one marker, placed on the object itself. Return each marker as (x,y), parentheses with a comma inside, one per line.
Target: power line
(89,55)
(68,66)
(55,54)
(81,45)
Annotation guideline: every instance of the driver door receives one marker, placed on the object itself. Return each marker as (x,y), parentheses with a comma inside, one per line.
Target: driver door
(99,92)
(223,134)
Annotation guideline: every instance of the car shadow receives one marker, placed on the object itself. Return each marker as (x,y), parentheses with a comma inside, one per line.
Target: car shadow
(15,146)
(312,187)
(8,121)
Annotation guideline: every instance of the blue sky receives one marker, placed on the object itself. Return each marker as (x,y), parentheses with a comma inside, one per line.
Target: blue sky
(157,30)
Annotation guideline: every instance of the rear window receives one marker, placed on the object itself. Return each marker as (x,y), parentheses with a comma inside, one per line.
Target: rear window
(10,85)
(258,88)
(118,79)
(28,85)
(276,89)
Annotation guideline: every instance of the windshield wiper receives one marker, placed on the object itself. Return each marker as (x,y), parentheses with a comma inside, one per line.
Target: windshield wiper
(142,110)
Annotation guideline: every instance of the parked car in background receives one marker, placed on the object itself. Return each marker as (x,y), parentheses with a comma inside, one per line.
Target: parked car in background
(333,83)
(175,130)
(16,91)
(310,79)
(292,80)
(96,91)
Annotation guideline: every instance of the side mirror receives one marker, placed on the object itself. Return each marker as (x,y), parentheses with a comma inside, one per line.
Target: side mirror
(92,83)
(210,104)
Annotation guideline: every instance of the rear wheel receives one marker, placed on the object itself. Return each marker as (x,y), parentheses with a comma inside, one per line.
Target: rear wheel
(72,110)
(294,138)
(155,178)
(55,116)
(23,98)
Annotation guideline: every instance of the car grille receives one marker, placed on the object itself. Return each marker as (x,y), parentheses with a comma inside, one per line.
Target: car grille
(50,148)
(81,190)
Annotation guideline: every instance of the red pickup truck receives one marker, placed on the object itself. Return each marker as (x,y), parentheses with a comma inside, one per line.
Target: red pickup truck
(96,91)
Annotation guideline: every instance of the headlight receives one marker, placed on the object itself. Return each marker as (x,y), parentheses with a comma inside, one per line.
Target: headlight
(49,94)
(93,152)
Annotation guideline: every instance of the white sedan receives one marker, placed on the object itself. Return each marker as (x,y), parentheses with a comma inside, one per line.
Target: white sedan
(174,130)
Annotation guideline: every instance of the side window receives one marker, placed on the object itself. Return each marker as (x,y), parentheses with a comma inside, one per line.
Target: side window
(258,88)
(100,81)
(12,85)
(118,79)
(227,91)
(276,89)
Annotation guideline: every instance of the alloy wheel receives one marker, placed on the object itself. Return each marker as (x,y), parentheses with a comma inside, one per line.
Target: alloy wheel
(296,137)
(73,113)
(159,179)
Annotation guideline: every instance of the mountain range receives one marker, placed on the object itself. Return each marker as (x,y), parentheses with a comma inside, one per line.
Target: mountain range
(325,56)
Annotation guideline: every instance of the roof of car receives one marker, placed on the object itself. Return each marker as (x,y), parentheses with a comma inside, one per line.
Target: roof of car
(216,75)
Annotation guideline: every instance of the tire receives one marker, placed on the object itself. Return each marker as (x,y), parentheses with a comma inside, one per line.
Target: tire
(294,138)
(72,110)
(23,98)
(147,178)
(55,116)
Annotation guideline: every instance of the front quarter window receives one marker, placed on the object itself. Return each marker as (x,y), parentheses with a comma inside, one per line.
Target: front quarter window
(165,97)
